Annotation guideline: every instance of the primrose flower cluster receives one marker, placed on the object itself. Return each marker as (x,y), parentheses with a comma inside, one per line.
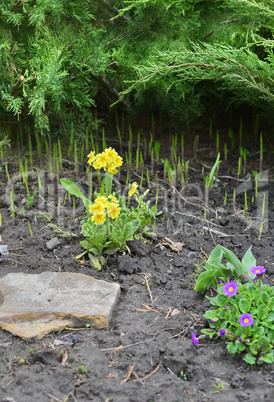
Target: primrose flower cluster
(109,160)
(103,207)
(244,314)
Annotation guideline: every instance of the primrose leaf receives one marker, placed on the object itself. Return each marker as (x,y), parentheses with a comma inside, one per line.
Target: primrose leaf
(244,305)
(205,280)
(262,311)
(268,357)
(248,261)
(232,348)
(231,257)
(211,315)
(130,228)
(270,304)
(216,256)
(72,188)
(209,332)
(249,358)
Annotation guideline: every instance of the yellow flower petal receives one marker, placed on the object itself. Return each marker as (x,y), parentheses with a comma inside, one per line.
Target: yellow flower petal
(91,157)
(99,217)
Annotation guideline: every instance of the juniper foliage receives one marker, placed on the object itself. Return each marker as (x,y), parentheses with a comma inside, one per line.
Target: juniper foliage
(58,58)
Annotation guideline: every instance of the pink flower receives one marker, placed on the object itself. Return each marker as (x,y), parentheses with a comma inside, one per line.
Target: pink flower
(194,339)
(230,288)
(260,269)
(246,320)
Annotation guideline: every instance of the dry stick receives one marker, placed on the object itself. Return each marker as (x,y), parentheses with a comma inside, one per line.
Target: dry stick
(53,397)
(148,288)
(210,232)
(192,203)
(219,233)
(130,370)
(151,373)
(182,332)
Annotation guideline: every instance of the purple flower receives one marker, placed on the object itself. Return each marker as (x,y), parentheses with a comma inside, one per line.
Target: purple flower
(219,282)
(240,339)
(224,306)
(246,320)
(255,279)
(230,288)
(194,339)
(222,332)
(260,269)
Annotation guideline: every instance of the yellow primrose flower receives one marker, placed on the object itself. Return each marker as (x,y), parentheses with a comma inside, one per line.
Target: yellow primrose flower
(113,210)
(113,199)
(118,161)
(102,199)
(97,206)
(133,189)
(101,159)
(111,153)
(112,169)
(96,164)
(91,157)
(99,217)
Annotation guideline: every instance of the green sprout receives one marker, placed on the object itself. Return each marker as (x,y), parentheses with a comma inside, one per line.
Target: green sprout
(81,370)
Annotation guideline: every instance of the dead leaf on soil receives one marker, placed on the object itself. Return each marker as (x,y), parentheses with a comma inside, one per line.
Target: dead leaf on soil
(175,312)
(65,358)
(175,246)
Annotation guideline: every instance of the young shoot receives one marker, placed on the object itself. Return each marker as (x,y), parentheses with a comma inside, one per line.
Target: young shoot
(209,180)
(217,142)
(12,204)
(225,199)
(225,152)
(30,229)
(246,207)
(157,150)
(262,223)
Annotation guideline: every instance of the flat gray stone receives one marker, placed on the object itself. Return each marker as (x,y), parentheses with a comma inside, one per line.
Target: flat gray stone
(35,305)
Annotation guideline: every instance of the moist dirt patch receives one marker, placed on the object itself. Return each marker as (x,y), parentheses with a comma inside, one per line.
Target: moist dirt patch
(147,354)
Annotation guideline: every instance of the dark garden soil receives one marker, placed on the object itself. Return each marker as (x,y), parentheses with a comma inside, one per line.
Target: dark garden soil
(147,354)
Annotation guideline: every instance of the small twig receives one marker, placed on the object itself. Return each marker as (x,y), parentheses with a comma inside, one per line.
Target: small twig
(192,203)
(151,373)
(53,397)
(218,233)
(130,370)
(210,232)
(146,276)
(182,332)
(126,346)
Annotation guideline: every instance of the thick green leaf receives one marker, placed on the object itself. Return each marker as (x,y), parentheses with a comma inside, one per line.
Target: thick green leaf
(89,246)
(231,257)
(111,250)
(268,358)
(72,188)
(244,305)
(262,311)
(211,315)
(216,255)
(94,262)
(248,261)
(232,348)
(205,280)
(130,228)
(249,358)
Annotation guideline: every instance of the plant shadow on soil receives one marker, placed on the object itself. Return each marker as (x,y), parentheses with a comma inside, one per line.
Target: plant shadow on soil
(156,313)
